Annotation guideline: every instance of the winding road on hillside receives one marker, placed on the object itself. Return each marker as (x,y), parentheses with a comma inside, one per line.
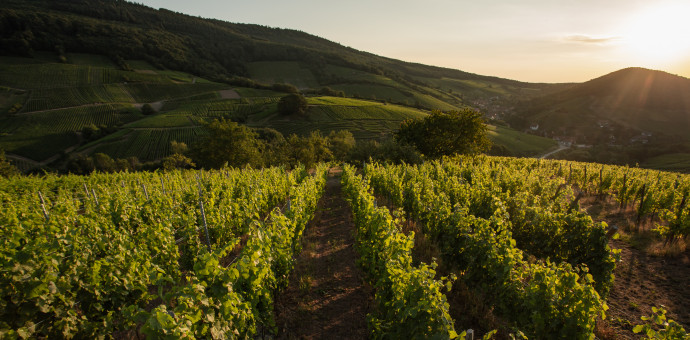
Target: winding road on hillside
(560,148)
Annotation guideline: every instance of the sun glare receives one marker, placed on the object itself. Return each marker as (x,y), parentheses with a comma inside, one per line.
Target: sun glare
(660,34)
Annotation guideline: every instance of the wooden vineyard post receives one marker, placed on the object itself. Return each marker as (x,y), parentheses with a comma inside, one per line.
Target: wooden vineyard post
(43,206)
(146,193)
(622,192)
(639,208)
(94,196)
(601,181)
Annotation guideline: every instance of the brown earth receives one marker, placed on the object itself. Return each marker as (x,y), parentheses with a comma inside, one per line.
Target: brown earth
(643,280)
(229,94)
(327,297)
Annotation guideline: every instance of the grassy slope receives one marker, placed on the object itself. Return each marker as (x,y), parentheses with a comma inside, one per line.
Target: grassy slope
(365,119)
(290,72)
(671,162)
(59,100)
(519,143)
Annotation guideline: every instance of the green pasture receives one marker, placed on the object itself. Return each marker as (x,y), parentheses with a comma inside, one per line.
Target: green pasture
(671,162)
(519,143)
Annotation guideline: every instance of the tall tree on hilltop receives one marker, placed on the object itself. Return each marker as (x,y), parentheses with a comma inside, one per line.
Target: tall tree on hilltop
(446,133)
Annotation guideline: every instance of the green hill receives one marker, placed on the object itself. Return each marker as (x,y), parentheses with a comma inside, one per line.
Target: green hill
(49,110)
(240,54)
(76,74)
(617,108)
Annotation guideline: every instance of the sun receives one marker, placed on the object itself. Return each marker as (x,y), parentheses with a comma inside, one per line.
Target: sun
(659,34)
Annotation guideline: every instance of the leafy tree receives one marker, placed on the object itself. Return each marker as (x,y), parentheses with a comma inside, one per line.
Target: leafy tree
(177,161)
(292,104)
(227,142)
(178,147)
(446,133)
(306,150)
(6,169)
(391,151)
(81,165)
(147,109)
(364,150)
(341,143)
(274,144)
(327,91)
(104,162)
(90,132)
(287,88)
(387,150)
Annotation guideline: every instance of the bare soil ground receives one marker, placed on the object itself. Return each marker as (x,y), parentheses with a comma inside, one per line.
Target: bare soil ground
(229,94)
(643,280)
(327,297)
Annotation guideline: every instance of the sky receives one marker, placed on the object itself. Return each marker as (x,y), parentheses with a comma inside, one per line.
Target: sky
(528,40)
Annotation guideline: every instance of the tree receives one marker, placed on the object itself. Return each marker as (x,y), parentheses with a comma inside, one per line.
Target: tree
(227,142)
(6,169)
(147,109)
(287,88)
(177,161)
(292,103)
(307,150)
(178,147)
(341,143)
(446,133)
(104,162)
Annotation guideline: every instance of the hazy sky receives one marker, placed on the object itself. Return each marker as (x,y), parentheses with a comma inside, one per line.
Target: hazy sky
(528,40)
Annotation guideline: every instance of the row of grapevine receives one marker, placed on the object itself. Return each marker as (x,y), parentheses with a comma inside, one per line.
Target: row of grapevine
(409,302)
(230,300)
(375,112)
(69,120)
(473,209)
(74,119)
(46,99)
(149,144)
(32,75)
(92,256)
(232,108)
(146,93)
(542,219)
(651,193)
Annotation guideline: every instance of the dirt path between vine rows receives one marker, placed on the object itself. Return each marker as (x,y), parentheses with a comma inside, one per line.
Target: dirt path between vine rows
(642,281)
(327,297)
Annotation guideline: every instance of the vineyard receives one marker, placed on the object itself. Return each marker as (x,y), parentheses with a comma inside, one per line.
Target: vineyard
(202,254)
(40,134)
(182,254)
(511,230)
(147,144)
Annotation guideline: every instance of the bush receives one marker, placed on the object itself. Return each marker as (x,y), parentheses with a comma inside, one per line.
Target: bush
(6,169)
(147,109)
(292,104)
